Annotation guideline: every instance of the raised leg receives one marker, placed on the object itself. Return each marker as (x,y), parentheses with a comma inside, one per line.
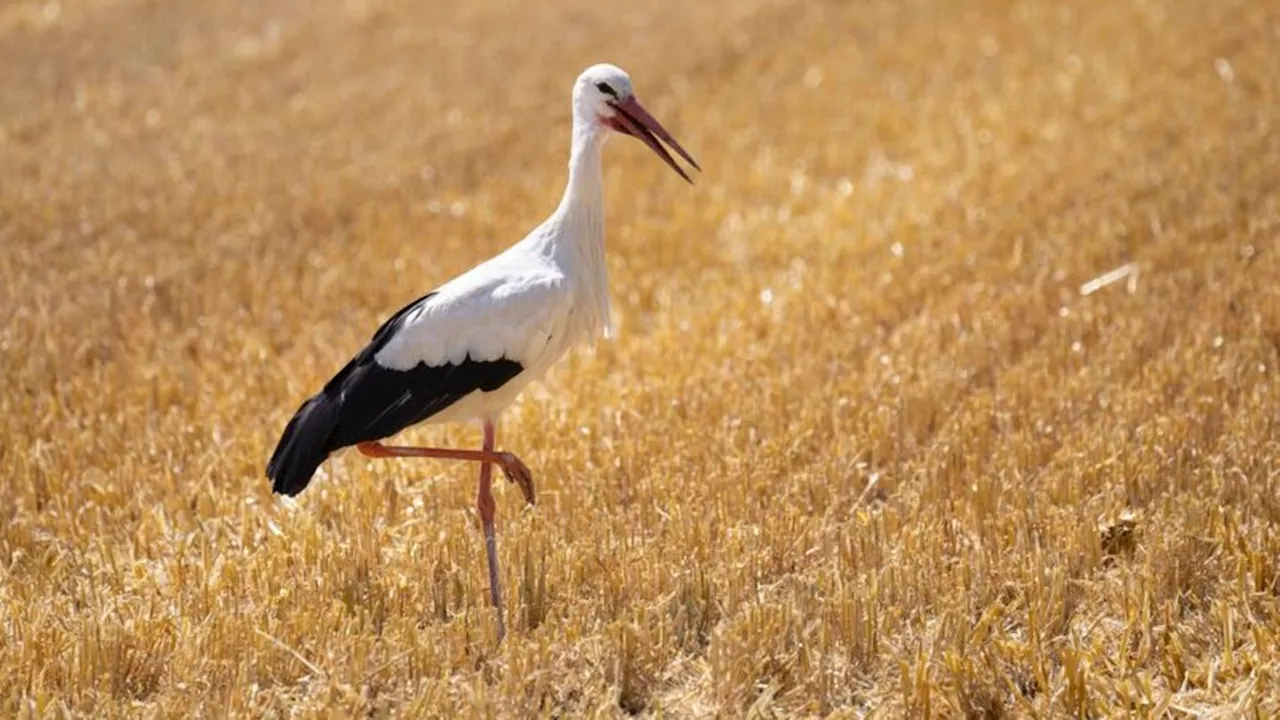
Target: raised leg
(515,470)
(487,507)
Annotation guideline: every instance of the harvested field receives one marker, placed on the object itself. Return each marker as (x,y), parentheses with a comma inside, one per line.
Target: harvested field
(950,390)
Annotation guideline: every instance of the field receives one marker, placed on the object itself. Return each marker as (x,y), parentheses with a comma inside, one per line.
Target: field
(951,389)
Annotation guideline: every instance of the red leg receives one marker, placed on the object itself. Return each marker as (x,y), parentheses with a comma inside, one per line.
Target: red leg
(515,470)
(487,507)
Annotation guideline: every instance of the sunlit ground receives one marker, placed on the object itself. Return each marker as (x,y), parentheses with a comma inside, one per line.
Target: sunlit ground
(951,387)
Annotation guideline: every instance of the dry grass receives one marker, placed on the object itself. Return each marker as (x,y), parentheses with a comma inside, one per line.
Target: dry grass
(863,446)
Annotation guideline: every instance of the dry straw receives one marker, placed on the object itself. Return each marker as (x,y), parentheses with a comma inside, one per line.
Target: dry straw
(951,389)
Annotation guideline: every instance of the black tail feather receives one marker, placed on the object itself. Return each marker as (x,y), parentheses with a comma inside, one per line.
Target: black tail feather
(304,444)
(367,401)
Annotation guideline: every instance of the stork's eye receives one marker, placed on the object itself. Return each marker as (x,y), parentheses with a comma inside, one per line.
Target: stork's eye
(604,88)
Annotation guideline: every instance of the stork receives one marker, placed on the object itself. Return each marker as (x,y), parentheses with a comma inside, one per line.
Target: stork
(466,350)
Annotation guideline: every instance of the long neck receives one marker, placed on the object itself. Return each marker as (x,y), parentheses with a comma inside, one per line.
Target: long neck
(580,217)
(583,200)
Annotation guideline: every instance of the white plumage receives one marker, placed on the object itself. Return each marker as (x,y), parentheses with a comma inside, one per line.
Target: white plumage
(484,315)
(466,350)
(522,317)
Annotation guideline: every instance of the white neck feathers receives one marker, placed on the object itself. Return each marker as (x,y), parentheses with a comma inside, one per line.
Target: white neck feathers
(579,228)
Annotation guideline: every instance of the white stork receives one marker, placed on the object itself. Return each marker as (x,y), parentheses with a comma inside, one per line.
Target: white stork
(466,350)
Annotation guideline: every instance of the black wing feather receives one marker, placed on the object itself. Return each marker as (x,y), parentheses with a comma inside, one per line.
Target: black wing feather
(365,401)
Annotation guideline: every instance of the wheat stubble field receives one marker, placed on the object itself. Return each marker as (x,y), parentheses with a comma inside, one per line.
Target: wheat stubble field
(880,435)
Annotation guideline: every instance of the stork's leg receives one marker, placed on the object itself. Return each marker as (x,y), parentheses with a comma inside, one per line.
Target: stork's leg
(487,507)
(515,470)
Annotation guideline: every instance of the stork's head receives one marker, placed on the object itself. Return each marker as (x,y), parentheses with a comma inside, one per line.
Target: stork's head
(603,96)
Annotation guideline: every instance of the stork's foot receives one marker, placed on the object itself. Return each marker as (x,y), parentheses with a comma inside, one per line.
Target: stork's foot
(518,473)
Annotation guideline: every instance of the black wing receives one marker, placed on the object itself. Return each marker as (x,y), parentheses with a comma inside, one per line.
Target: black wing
(366,401)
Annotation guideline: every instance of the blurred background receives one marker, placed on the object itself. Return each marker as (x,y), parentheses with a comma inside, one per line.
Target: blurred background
(949,389)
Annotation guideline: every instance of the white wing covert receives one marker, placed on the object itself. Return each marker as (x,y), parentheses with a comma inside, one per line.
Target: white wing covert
(483,315)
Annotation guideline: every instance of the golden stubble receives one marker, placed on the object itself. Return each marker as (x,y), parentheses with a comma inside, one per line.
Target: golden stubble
(949,390)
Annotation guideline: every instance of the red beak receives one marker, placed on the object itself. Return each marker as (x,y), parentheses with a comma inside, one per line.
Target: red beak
(632,119)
